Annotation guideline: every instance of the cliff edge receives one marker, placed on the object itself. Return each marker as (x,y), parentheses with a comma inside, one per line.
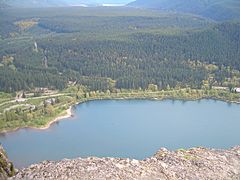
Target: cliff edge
(195,163)
(6,167)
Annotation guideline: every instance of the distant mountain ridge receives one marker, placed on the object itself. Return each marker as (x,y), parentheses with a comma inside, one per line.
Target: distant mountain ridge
(214,9)
(45,3)
(56,3)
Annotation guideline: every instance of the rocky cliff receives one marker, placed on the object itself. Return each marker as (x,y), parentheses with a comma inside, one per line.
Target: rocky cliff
(6,167)
(196,163)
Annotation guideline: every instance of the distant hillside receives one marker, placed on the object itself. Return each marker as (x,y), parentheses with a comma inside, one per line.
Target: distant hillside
(45,3)
(56,3)
(3,5)
(214,9)
(108,48)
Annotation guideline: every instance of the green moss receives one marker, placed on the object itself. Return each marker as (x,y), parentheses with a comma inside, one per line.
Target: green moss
(12,170)
(3,162)
(189,157)
(181,150)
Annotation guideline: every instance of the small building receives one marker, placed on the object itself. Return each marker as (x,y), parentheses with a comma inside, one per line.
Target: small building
(41,90)
(237,90)
(72,83)
(19,100)
(220,88)
(50,101)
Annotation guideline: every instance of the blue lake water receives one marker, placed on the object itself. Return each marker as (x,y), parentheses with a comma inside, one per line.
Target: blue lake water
(128,128)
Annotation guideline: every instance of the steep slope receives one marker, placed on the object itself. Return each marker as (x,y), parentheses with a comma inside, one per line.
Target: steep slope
(214,9)
(134,51)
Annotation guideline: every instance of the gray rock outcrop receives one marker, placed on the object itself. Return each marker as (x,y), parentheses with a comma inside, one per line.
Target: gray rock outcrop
(195,163)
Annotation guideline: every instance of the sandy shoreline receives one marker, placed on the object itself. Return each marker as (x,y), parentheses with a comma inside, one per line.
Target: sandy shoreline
(59,118)
(68,115)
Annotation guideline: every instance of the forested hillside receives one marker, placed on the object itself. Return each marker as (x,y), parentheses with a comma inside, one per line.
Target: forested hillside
(214,9)
(106,48)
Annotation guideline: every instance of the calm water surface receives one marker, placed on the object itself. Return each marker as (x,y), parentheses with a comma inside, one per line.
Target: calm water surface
(128,128)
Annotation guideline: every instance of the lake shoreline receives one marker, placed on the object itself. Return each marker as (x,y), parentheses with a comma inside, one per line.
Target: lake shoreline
(125,121)
(69,110)
(59,118)
(68,113)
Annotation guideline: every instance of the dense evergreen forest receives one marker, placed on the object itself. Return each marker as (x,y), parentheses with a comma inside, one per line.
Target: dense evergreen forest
(108,48)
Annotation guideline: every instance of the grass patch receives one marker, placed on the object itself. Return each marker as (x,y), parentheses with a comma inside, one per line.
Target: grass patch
(26,24)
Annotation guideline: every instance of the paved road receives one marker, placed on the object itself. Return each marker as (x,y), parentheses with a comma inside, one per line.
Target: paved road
(40,97)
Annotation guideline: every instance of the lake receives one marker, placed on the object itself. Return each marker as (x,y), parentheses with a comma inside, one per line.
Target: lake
(128,128)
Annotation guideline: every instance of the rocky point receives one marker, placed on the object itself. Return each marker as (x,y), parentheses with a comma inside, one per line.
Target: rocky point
(195,163)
